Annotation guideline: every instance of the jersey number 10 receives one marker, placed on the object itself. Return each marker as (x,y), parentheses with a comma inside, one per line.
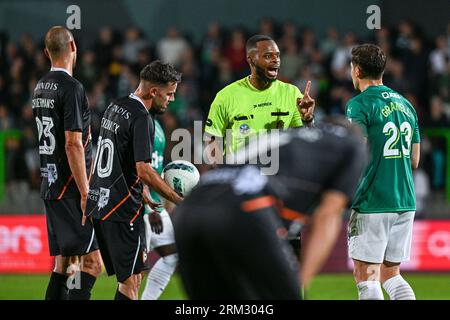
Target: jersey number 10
(105,149)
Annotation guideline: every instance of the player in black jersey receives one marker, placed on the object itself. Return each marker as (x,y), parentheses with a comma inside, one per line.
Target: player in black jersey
(122,164)
(231,241)
(62,115)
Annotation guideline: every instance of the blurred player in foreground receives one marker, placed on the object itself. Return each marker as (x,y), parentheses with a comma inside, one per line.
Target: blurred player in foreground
(380,227)
(230,233)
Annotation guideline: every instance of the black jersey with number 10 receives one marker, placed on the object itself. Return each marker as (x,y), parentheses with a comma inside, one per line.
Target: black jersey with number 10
(115,190)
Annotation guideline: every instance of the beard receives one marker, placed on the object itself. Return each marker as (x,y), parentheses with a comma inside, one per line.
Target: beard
(261,73)
(157,109)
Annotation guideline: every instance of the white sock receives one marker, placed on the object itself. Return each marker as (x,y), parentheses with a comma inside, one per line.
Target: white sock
(159,277)
(398,289)
(370,290)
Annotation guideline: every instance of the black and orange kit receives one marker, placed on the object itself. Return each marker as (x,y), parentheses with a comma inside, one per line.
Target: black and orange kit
(60,104)
(115,190)
(240,249)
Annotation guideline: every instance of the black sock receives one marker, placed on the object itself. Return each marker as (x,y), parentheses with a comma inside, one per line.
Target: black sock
(56,289)
(82,286)
(120,295)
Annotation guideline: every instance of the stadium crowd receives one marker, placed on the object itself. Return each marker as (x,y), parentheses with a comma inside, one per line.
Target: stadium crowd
(418,67)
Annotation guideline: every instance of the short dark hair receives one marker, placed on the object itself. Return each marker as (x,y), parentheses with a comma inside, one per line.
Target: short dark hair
(371,59)
(56,41)
(251,43)
(160,73)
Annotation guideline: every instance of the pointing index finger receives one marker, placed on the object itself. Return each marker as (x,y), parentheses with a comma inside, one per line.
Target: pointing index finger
(307,88)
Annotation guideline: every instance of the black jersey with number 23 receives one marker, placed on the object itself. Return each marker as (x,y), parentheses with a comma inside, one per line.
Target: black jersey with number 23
(60,104)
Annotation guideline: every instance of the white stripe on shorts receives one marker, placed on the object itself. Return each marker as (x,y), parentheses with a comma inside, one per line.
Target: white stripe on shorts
(92,240)
(135,257)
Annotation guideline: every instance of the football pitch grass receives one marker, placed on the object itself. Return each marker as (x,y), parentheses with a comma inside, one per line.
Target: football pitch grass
(427,286)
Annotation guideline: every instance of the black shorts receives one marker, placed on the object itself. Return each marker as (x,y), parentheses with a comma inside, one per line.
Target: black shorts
(66,235)
(226,252)
(122,247)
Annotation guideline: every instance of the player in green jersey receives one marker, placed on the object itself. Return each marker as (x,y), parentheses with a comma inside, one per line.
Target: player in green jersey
(259,101)
(159,230)
(381,223)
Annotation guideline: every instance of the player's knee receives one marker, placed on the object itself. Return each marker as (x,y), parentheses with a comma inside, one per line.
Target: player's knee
(359,273)
(389,270)
(59,268)
(131,285)
(92,264)
(131,281)
(356,275)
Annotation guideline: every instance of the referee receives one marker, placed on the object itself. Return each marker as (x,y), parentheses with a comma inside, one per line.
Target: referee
(61,110)
(259,101)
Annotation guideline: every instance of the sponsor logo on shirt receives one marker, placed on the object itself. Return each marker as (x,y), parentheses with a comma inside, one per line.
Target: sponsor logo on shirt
(263,104)
(104,198)
(52,173)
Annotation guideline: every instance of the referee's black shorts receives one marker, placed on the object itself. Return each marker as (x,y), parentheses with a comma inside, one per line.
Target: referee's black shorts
(66,235)
(230,250)
(122,247)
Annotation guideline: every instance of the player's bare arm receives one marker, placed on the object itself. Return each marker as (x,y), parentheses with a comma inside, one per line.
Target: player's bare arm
(415,158)
(325,227)
(154,216)
(147,198)
(75,156)
(306,105)
(151,178)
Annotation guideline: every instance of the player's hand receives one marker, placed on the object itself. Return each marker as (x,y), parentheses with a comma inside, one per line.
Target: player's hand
(155,222)
(156,206)
(83,209)
(146,197)
(306,104)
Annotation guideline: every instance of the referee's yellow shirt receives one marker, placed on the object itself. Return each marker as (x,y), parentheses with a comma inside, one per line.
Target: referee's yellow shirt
(246,110)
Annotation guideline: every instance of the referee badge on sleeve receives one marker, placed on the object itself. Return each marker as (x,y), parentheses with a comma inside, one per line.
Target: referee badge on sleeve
(244,128)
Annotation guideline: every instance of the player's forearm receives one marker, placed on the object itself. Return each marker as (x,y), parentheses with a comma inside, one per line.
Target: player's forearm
(151,178)
(324,232)
(77,164)
(415,158)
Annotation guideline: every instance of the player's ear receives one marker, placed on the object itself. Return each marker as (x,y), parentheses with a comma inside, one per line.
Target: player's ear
(358,72)
(153,92)
(47,54)
(250,60)
(72,45)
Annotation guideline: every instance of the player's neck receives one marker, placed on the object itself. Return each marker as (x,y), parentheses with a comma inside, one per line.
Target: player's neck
(258,83)
(364,84)
(144,99)
(63,65)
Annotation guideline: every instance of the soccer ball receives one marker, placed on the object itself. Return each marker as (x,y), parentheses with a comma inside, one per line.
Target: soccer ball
(181,176)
